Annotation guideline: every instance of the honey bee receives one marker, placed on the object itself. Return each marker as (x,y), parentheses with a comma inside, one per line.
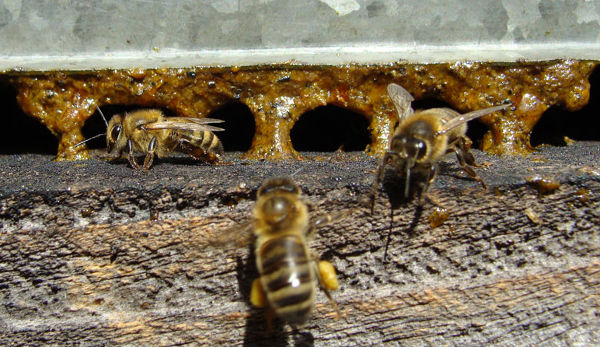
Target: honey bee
(287,270)
(425,136)
(150,132)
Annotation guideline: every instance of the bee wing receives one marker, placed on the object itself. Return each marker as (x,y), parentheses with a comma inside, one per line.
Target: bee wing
(401,99)
(237,236)
(184,123)
(322,220)
(463,118)
(196,120)
(331,218)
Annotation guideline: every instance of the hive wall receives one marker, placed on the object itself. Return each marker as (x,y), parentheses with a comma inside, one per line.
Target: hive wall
(279,95)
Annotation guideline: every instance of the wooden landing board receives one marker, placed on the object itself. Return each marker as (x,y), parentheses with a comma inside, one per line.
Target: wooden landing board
(97,254)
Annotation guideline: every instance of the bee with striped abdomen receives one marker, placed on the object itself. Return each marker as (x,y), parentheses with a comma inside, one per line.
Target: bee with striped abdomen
(287,270)
(150,132)
(423,138)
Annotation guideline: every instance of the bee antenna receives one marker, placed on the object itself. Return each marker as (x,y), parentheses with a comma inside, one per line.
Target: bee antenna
(409,163)
(102,114)
(407,181)
(86,140)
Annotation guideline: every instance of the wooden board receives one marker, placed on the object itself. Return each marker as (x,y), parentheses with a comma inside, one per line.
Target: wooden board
(95,253)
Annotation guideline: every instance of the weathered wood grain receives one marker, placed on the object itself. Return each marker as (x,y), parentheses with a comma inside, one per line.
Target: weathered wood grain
(97,254)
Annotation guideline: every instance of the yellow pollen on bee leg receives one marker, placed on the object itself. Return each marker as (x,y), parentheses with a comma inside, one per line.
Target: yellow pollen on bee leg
(257,294)
(328,276)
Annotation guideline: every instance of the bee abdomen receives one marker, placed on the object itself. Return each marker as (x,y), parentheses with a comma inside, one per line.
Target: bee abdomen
(287,278)
(208,142)
(293,304)
(203,145)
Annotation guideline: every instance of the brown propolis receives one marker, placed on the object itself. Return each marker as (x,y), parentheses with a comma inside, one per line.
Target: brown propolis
(278,95)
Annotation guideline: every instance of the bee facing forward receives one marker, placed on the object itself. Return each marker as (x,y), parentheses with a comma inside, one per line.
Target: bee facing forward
(424,137)
(150,132)
(287,270)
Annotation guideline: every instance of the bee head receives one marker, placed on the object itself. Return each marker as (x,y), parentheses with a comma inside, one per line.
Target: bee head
(279,199)
(114,133)
(411,149)
(277,208)
(412,142)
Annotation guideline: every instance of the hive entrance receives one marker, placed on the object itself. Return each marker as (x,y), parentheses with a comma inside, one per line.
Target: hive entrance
(20,133)
(239,126)
(329,128)
(582,125)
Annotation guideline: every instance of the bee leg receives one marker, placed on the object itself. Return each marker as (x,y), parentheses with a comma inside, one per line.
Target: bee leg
(378,178)
(328,280)
(130,156)
(269,316)
(431,173)
(425,194)
(466,159)
(258,299)
(389,236)
(434,201)
(464,144)
(150,154)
